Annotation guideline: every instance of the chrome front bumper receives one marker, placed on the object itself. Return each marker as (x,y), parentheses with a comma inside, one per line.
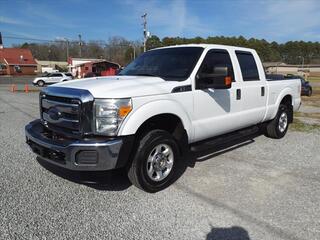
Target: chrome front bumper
(81,155)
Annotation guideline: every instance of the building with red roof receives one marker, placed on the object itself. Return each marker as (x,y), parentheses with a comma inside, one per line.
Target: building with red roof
(17,61)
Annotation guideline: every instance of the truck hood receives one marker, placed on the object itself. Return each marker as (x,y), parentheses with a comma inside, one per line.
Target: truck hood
(121,86)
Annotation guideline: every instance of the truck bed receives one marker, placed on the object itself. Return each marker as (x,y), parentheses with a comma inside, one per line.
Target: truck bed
(277,89)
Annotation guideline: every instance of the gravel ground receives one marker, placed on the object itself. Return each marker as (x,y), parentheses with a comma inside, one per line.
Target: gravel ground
(17,79)
(315,84)
(309,114)
(262,189)
(309,109)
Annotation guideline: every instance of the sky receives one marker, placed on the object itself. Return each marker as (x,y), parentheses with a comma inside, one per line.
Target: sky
(273,20)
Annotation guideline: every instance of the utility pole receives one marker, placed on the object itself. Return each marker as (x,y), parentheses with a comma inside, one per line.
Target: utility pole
(80,44)
(1,43)
(67,43)
(134,52)
(302,58)
(145,33)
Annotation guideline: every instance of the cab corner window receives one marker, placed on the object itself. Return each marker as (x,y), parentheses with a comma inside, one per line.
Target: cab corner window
(248,66)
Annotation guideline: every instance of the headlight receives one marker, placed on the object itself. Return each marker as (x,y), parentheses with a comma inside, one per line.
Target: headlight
(109,114)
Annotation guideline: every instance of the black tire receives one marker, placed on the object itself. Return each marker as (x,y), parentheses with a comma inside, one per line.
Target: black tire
(40,83)
(275,128)
(137,171)
(310,92)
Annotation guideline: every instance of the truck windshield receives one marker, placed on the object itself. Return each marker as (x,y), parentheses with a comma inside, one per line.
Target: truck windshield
(171,64)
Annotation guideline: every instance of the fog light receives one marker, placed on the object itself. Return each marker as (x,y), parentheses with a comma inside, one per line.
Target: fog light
(87,158)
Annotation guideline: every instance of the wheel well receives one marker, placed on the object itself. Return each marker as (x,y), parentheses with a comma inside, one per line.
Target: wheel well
(287,100)
(168,122)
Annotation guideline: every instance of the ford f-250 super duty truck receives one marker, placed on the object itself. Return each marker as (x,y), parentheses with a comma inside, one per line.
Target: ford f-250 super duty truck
(166,99)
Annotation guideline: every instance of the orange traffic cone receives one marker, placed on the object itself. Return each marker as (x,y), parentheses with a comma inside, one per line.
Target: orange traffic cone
(26,88)
(13,88)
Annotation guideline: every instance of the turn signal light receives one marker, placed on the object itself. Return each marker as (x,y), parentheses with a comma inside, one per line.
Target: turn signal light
(124,111)
(227,81)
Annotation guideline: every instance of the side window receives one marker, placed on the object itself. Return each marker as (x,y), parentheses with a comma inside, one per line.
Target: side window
(215,62)
(56,75)
(248,66)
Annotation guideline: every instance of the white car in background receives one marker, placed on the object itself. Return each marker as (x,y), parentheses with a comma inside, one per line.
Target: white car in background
(51,78)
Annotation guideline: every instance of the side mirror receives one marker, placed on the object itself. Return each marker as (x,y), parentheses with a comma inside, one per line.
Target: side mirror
(219,79)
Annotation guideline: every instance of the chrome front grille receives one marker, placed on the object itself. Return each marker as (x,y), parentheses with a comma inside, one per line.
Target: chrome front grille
(67,111)
(60,113)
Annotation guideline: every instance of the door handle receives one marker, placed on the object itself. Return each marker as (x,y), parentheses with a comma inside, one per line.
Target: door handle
(238,94)
(262,91)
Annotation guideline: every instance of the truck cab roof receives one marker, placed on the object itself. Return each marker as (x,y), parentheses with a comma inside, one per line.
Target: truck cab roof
(203,45)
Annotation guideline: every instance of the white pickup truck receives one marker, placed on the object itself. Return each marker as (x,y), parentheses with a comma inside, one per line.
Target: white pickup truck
(164,101)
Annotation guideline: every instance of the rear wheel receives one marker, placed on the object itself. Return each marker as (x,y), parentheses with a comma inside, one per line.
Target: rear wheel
(155,161)
(310,92)
(278,127)
(40,83)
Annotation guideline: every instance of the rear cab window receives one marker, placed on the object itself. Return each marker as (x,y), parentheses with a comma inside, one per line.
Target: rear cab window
(248,66)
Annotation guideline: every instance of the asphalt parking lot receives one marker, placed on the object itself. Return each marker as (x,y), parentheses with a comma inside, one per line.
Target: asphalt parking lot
(259,189)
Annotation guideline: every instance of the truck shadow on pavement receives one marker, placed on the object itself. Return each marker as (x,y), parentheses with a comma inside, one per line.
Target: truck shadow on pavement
(117,180)
(232,233)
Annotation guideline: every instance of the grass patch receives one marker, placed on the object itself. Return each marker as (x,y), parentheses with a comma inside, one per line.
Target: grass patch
(300,126)
(314,100)
(313,79)
(315,115)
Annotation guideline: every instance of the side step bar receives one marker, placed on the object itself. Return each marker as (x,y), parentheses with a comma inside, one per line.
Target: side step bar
(223,139)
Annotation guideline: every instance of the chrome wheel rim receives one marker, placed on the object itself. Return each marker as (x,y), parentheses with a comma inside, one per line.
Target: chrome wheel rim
(283,122)
(160,162)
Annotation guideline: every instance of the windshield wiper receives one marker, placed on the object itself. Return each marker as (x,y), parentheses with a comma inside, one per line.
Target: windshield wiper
(142,74)
(145,74)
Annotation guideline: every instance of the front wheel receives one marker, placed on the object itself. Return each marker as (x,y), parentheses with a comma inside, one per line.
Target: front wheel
(310,92)
(278,127)
(40,83)
(155,161)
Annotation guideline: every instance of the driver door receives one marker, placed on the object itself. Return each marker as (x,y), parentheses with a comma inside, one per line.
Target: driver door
(55,77)
(216,111)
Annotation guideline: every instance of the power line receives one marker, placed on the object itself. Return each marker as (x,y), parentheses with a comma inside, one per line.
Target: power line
(98,42)
(31,39)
